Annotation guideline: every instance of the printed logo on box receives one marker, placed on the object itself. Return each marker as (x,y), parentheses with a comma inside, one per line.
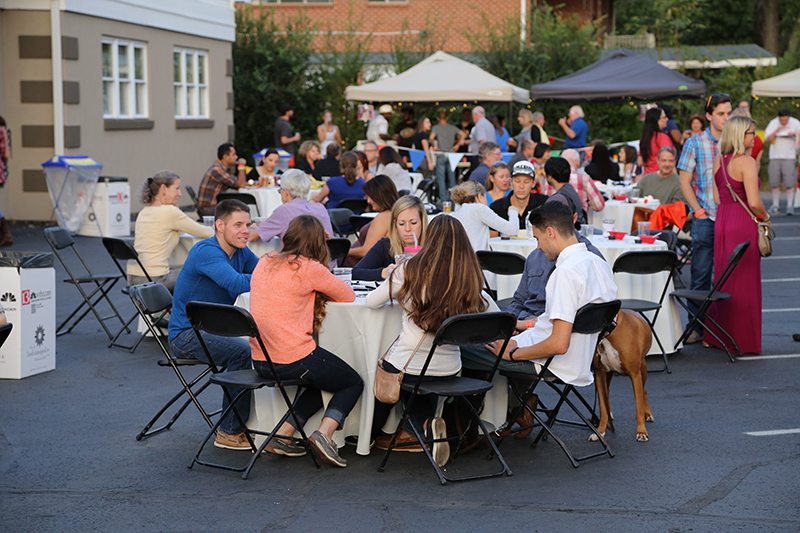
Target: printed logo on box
(8,297)
(26,297)
(38,337)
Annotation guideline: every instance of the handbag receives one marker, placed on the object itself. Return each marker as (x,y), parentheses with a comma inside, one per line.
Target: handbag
(386,386)
(765,231)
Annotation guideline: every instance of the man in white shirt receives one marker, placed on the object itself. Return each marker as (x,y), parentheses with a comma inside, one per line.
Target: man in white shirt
(482,132)
(579,278)
(782,132)
(378,129)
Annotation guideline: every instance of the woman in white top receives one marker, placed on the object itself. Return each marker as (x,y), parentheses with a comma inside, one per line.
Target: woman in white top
(328,132)
(392,165)
(476,216)
(158,227)
(444,279)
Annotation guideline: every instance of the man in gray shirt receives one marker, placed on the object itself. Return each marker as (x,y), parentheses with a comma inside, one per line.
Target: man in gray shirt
(284,135)
(482,132)
(444,137)
(663,185)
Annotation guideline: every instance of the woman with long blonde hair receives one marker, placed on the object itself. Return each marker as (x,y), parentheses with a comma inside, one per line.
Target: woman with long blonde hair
(407,228)
(444,279)
(288,293)
(736,173)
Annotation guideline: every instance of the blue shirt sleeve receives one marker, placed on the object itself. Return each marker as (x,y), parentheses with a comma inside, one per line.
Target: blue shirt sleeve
(376,259)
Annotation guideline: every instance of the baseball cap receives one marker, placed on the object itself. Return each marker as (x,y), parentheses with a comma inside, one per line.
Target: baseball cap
(385,108)
(285,107)
(523,167)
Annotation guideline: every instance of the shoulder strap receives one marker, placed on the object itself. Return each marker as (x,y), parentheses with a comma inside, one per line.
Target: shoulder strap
(724,166)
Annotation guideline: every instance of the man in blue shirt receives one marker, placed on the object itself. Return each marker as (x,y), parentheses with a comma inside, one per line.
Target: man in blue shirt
(217,270)
(574,127)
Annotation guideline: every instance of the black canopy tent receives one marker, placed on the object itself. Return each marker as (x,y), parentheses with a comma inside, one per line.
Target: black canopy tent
(622,75)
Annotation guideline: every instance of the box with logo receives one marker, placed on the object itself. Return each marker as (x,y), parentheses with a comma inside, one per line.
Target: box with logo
(28,295)
(110,212)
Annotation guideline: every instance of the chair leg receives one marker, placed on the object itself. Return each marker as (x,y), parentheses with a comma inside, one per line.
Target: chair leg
(663,351)
(145,433)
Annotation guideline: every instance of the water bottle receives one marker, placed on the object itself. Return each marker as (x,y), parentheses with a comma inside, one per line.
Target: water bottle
(529,230)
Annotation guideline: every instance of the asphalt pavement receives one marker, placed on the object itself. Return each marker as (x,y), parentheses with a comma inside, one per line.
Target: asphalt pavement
(723,455)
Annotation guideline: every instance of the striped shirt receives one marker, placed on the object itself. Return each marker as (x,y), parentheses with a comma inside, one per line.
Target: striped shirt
(697,157)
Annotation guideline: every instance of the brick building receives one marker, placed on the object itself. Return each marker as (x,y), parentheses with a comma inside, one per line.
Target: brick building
(442,24)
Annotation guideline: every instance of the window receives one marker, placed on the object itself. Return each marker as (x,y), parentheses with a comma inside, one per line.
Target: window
(124,79)
(190,80)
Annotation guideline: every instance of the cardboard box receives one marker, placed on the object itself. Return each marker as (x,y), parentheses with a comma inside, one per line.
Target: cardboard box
(110,211)
(29,298)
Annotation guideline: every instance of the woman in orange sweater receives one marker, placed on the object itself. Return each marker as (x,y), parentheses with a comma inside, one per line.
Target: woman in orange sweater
(288,292)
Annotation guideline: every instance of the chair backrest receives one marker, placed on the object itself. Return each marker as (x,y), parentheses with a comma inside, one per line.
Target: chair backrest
(340,218)
(339,247)
(646,262)
(503,263)
(5,331)
(476,329)
(403,192)
(192,194)
(425,188)
(59,239)
(358,222)
(733,260)
(122,250)
(594,318)
(356,205)
(247,198)
(152,301)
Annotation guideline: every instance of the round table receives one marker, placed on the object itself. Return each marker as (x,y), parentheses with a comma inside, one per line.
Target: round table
(269,198)
(359,336)
(186,241)
(668,325)
(621,211)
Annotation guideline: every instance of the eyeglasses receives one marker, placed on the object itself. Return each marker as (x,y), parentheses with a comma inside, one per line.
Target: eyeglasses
(720,95)
(750,133)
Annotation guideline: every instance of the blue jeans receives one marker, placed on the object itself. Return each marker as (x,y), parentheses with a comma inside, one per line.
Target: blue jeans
(445,178)
(702,257)
(231,353)
(324,372)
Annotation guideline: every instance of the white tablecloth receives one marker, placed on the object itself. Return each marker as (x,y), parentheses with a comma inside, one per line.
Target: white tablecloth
(621,212)
(185,243)
(359,336)
(269,198)
(668,325)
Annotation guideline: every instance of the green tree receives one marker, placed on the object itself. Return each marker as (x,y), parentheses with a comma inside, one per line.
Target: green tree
(409,49)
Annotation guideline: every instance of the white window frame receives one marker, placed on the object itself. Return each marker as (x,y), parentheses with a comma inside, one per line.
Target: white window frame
(200,106)
(134,96)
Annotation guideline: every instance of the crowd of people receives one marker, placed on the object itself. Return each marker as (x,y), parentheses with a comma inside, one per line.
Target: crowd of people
(430,267)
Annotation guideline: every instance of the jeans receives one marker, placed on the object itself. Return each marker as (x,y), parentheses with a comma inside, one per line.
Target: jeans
(324,372)
(231,353)
(445,178)
(424,405)
(702,257)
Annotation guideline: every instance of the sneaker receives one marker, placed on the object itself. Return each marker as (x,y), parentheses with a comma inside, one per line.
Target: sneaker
(774,210)
(326,450)
(695,337)
(232,442)
(279,446)
(441,450)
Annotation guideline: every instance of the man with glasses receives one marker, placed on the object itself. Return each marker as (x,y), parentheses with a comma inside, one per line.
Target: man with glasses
(489,153)
(371,151)
(783,133)
(696,168)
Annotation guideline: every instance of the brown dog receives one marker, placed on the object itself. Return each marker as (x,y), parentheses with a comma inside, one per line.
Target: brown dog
(623,352)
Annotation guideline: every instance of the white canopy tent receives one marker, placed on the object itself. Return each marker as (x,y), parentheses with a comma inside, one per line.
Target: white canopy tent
(786,85)
(439,78)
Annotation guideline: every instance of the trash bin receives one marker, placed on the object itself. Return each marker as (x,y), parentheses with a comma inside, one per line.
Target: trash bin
(109,214)
(71,182)
(28,294)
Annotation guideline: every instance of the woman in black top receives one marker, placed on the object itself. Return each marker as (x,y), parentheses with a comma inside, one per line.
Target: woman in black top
(421,141)
(307,157)
(602,167)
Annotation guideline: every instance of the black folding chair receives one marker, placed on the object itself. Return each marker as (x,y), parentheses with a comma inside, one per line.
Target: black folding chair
(152,302)
(647,263)
(230,321)
(425,190)
(340,220)
(245,197)
(589,320)
(356,205)
(100,284)
(339,247)
(122,250)
(195,201)
(502,264)
(703,299)
(5,331)
(461,330)
(357,222)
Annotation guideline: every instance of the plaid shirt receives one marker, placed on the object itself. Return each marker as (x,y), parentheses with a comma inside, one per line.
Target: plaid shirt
(698,157)
(586,189)
(216,180)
